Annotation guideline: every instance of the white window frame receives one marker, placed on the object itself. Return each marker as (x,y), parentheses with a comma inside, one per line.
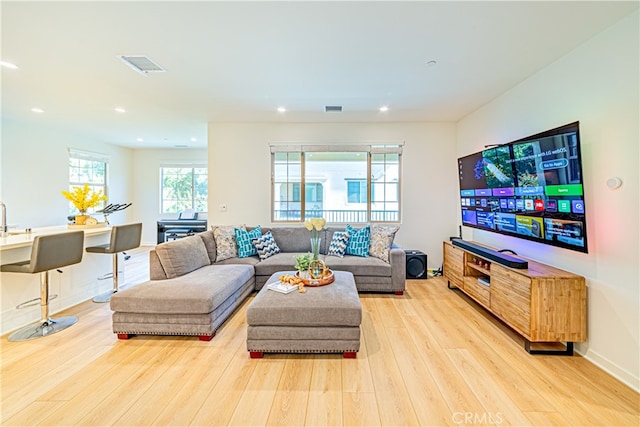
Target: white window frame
(95,185)
(191,166)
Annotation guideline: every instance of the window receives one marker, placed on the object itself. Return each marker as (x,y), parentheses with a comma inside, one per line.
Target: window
(87,168)
(356,191)
(343,184)
(183,187)
(385,186)
(290,196)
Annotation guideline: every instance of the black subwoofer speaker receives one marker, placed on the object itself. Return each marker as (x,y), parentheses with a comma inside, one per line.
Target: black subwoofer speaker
(416,265)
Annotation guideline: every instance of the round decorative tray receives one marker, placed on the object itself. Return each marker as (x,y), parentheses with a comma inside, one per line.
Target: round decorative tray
(325,280)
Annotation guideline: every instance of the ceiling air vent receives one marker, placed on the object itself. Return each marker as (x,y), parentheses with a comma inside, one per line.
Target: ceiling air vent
(142,64)
(333,109)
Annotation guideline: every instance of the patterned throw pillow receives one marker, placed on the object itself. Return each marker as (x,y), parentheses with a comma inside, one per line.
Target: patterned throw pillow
(226,241)
(338,245)
(381,240)
(243,240)
(266,245)
(359,241)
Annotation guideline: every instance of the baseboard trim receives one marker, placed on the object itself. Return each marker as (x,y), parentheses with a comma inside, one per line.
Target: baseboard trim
(613,369)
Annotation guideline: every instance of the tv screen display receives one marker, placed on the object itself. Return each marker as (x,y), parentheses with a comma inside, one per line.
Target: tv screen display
(531,188)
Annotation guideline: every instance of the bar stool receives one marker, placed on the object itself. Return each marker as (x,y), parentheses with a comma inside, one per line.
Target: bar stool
(123,238)
(48,252)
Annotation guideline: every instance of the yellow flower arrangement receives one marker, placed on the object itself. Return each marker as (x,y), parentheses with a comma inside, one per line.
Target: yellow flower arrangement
(314,225)
(84,198)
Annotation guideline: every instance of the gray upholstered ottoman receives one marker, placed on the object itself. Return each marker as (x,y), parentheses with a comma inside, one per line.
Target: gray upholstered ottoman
(324,319)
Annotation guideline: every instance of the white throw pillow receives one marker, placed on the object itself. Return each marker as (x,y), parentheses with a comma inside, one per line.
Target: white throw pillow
(381,240)
(226,241)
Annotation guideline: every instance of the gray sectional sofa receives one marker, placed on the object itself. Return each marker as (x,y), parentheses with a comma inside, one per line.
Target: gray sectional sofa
(192,292)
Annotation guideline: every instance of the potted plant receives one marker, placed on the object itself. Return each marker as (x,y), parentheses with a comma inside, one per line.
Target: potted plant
(84,198)
(302,265)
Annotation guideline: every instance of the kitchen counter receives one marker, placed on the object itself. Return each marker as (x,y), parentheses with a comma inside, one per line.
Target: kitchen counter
(20,238)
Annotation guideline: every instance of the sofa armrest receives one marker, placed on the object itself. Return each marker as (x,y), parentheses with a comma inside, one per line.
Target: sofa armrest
(398,261)
(156,272)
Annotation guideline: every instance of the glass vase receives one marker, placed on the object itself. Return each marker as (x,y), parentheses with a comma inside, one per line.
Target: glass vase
(315,247)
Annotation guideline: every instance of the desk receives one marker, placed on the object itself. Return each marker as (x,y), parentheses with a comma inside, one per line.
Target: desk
(78,283)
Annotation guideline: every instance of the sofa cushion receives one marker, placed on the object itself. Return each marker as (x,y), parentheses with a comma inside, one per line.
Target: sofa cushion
(179,257)
(381,240)
(292,239)
(198,293)
(283,261)
(266,245)
(243,241)
(252,260)
(339,242)
(210,243)
(359,241)
(359,266)
(226,241)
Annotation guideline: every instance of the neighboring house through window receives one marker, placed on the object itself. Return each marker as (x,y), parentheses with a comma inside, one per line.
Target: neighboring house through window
(354,184)
(356,191)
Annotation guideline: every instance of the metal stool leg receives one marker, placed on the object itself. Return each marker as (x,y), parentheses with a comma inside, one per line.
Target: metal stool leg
(46,325)
(106,297)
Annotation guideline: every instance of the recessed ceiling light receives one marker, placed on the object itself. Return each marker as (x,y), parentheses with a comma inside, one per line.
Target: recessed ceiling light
(194,139)
(384,109)
(139,139)
(9,65)
(120,110)
(431,63)
(282,110)
(37,110)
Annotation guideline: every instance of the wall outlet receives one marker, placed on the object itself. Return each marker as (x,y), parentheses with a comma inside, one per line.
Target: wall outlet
(223,207)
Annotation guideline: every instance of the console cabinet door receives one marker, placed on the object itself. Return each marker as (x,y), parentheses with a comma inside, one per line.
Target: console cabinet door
(453,268)
(511,298)
(477,291)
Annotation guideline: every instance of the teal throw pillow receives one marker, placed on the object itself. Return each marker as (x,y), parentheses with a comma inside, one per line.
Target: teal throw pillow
(243,241)
(359,241)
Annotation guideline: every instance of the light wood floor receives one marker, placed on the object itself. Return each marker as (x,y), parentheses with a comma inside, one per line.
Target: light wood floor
(430,357)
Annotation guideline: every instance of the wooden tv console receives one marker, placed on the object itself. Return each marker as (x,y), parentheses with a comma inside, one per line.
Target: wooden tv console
(542,303)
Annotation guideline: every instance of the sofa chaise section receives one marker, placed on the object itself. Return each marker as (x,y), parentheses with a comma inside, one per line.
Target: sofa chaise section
(186,296)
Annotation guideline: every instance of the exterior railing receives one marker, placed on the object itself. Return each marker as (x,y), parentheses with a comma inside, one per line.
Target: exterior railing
(337,216)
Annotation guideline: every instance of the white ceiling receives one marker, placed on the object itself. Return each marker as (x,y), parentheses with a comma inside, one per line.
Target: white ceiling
(239,61)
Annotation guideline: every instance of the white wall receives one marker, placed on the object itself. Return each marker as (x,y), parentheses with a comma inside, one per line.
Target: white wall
(240,171)
(145,184)
(596,84)
(35,169)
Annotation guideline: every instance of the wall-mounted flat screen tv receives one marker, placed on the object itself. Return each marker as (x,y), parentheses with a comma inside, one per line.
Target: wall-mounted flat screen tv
(531,188)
